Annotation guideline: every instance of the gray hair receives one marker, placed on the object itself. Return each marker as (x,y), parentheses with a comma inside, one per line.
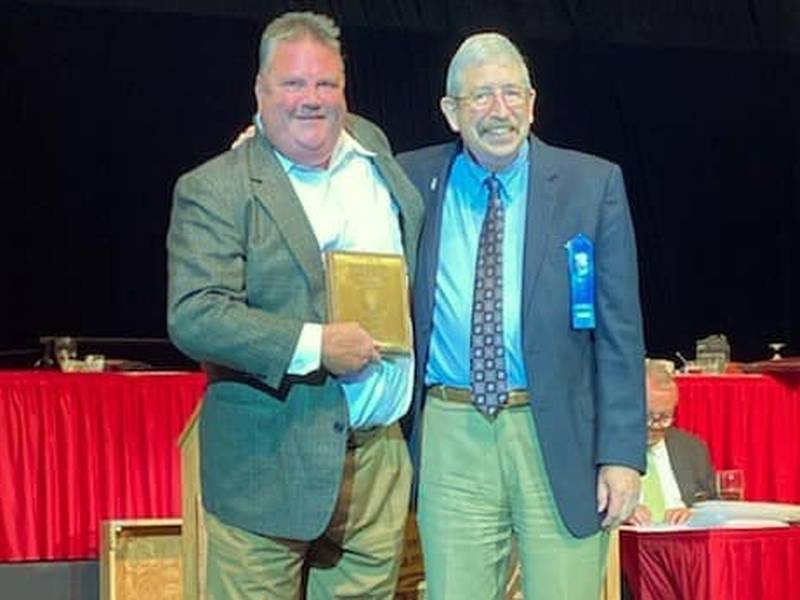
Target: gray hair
(479,49)
(294,26)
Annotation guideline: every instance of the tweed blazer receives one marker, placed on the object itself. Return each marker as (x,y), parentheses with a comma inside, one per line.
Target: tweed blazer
(245,274)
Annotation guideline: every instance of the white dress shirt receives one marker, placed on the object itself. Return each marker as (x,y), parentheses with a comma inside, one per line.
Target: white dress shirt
(349,207)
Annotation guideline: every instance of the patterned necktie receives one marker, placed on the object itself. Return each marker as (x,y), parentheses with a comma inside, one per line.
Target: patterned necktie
(487,351)
(652,490)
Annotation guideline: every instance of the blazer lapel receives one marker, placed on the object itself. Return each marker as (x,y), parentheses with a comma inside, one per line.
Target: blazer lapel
(541,201)
(273,189)
(431,235)
(410,205)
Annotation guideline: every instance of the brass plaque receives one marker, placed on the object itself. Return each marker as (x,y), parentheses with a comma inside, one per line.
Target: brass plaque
(371,289)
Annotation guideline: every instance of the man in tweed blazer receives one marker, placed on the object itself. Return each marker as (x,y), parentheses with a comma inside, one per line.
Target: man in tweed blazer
(305,473)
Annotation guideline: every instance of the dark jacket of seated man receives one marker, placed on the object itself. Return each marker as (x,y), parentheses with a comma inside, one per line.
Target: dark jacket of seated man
(691,465)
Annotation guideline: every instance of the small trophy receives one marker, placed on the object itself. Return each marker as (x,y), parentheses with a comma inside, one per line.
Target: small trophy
(371,289)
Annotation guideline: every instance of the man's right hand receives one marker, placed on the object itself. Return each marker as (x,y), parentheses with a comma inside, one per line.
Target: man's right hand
(347,348)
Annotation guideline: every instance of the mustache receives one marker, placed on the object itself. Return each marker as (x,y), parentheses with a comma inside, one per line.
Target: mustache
(495,123)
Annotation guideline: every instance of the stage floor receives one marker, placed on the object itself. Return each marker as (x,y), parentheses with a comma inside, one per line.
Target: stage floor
(52,580)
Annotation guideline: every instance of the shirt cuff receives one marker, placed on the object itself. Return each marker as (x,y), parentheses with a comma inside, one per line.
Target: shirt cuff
(306,357)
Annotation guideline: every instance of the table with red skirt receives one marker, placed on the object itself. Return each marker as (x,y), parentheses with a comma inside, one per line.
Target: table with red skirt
(79,448)
(749,422)
(712,564)
(752,423)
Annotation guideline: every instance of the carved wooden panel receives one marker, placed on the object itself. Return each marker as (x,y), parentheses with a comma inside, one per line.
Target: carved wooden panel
(141,559)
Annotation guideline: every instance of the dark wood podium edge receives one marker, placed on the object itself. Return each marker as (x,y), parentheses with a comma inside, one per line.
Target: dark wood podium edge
(781,366)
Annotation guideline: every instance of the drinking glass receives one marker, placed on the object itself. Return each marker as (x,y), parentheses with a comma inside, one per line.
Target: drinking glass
(776,348)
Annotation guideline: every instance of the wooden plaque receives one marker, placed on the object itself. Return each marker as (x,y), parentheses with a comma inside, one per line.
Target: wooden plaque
(371,289)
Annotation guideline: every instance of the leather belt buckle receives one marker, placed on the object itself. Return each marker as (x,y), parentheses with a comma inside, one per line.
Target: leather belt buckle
(464,395)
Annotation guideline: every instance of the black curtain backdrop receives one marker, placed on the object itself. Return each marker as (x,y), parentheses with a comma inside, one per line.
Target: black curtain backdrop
(102,108)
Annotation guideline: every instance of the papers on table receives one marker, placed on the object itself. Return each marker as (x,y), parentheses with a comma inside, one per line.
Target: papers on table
(721,514)
(658,528)
(729,510)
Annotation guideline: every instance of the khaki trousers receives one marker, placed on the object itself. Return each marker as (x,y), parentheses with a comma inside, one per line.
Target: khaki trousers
(357,556)
(483,482)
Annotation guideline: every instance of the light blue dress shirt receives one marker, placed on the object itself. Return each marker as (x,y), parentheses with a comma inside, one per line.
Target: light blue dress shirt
(349,207)
(465,201)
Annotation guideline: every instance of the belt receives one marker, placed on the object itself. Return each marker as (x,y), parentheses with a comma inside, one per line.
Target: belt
(360,437)
(464,396)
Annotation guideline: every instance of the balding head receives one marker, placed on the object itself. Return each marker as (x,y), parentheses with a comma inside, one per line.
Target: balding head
(662,398)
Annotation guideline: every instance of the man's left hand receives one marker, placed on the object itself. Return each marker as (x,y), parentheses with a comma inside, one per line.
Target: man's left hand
(243,136)
(677,516)
(617,494)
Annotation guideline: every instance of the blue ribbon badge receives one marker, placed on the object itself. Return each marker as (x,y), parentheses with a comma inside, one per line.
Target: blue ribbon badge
(580,258)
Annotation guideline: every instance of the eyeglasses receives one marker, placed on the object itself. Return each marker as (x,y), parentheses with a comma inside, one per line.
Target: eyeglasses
(660,420)
(481,99)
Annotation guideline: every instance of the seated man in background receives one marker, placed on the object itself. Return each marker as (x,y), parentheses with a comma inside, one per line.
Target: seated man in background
(679,472)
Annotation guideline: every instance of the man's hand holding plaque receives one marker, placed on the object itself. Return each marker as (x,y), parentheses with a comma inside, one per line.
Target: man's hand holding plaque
(347,348)
(371,290)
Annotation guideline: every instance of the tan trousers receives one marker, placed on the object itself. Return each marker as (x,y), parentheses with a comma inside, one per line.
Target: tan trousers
(358,555)
(483,482)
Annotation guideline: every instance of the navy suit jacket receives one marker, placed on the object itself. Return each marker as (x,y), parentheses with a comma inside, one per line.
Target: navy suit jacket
(587,387)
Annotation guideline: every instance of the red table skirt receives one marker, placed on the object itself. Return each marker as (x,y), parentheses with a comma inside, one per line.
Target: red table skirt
(79,448)
(717,564)
(750,422)
(76,449)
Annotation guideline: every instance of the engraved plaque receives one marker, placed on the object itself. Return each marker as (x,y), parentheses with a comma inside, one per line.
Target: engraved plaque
(371,289)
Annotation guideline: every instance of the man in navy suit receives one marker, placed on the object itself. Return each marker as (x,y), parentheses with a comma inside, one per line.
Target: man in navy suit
(530,408)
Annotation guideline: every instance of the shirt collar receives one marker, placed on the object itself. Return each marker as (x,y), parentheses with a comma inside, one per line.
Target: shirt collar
(506,176)
(346,148)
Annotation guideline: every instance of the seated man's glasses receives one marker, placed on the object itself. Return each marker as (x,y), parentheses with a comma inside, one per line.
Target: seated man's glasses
(660,420)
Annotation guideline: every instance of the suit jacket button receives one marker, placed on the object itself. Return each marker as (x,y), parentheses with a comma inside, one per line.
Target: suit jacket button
(338,427)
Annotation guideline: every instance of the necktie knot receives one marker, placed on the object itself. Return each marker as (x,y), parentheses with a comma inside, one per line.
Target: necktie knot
(492,183)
